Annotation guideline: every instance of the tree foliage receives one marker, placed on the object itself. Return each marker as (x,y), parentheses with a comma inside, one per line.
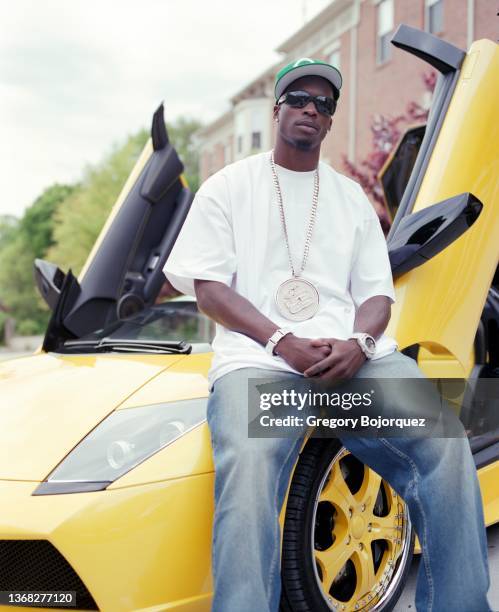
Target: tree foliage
(181,135)
(77,224)
(8,228)
(37,223)
(21,241)
(16,281)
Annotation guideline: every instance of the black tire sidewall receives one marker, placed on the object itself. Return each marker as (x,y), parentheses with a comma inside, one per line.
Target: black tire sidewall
(300,591)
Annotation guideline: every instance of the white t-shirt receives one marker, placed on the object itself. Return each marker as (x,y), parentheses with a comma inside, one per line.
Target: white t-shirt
(233,234)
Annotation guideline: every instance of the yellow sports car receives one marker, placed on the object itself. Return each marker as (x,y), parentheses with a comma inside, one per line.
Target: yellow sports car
(106,473)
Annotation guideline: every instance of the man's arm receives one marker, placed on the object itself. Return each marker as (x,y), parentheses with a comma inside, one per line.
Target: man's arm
(346,356)
(373,316)
(166,292)
(235,312)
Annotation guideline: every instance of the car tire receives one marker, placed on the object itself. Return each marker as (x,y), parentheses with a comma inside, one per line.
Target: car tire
(318,497)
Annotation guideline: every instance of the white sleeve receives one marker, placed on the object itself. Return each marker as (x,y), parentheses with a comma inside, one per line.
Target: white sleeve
(204,248)
(371,273)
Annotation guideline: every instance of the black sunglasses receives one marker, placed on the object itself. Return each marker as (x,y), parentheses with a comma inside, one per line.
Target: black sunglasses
(300,99)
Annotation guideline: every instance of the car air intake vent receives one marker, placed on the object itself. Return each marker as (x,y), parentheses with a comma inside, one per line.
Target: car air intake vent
(36,565)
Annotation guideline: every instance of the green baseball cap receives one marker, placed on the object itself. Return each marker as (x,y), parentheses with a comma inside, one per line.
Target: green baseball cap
(307,67)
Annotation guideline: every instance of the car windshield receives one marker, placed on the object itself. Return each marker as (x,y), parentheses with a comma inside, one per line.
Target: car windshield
(171,321)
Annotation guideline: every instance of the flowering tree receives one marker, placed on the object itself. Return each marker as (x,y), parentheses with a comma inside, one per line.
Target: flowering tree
(386,132)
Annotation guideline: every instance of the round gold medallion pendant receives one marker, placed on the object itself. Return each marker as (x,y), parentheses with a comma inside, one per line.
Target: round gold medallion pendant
(297,299)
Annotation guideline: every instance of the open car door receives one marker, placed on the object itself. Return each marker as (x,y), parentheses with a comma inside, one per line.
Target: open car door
(123,272)
(447,208)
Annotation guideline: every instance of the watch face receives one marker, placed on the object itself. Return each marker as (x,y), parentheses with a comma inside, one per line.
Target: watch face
(370,344)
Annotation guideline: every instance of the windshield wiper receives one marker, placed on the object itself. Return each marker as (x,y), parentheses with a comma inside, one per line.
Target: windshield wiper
(130,346)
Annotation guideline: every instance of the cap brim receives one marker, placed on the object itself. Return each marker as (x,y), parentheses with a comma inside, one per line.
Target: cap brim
(329,73)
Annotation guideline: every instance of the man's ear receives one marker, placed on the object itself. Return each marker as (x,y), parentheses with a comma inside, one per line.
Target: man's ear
(330,124)
(276,112)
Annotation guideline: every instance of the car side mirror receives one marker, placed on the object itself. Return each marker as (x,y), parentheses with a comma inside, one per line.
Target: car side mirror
(423,234)
(49,279)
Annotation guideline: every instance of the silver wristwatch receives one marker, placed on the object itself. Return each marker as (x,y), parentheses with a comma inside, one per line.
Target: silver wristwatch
(366,342)
(274,339)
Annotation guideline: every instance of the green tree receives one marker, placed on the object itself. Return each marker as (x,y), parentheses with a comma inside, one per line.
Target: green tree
(8,228)
(37,223)
(20,242)
(79,221)
(17,285)
(181,136)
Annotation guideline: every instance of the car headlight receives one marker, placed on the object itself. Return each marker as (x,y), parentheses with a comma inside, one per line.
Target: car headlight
(120,442)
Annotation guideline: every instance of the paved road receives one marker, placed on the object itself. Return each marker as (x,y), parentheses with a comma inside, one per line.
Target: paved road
(406,602)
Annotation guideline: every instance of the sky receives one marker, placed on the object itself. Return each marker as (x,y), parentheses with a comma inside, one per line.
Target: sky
(78,76)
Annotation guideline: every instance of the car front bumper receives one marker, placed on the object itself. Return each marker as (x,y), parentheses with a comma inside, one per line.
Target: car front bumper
(143,547)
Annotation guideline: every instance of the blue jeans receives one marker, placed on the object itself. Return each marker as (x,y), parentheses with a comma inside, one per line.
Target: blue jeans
(436,477)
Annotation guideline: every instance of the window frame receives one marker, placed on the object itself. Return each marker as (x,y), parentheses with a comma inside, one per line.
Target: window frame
(330,51)
(381,37)
(428,6)
(257,147)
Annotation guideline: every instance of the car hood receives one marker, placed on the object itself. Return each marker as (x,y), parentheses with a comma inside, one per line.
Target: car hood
(49,402)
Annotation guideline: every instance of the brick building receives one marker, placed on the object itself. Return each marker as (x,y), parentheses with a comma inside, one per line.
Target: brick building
(353,35)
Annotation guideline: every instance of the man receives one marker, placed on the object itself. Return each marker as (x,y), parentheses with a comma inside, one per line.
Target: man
(288,257)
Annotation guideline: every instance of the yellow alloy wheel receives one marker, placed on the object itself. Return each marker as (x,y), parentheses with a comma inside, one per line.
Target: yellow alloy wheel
(360,539)
(347,540)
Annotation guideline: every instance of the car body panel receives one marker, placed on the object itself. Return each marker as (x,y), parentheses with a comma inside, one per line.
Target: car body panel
(51,401)
(156,538)
(140,164)
(434,300)
(488,477)
(186,378)
(439,363)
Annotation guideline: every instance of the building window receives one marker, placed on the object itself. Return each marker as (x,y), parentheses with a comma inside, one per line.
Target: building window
(256,140)
(434,16)
(335,59)
(257,121)
(239,144)
(385,29)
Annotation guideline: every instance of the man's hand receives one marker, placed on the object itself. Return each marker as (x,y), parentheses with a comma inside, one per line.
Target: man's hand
(302,353)
(346,356)
(343,361)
